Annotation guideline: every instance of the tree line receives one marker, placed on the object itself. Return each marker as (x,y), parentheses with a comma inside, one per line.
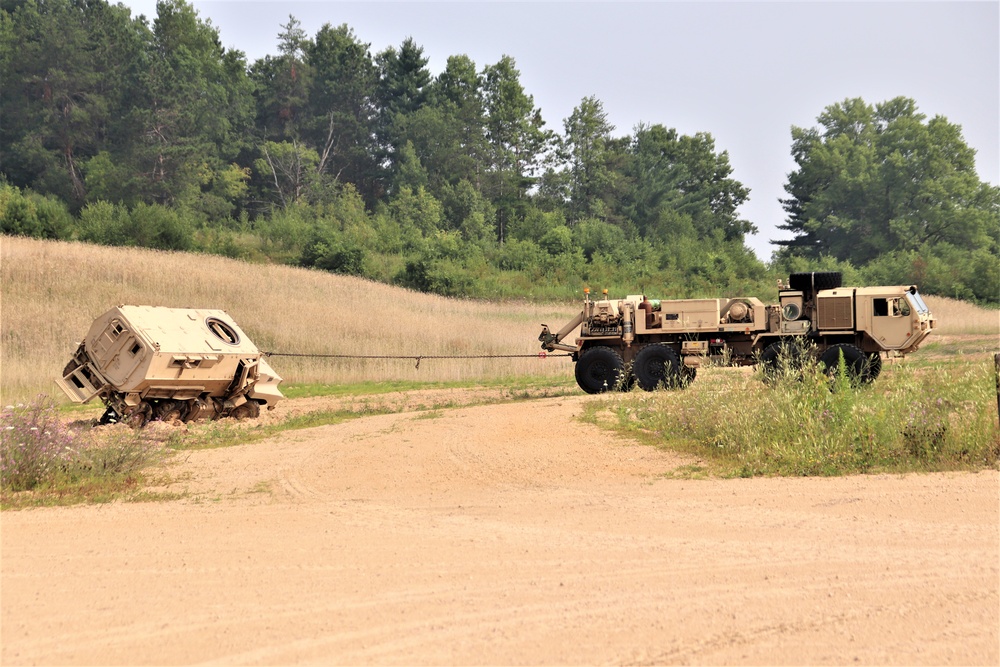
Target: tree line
(122,131)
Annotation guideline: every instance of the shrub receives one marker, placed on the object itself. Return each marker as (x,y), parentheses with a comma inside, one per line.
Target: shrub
(557,241)
(33,443)
(803,423)
(37,449)
(332,252)
(516,255)
(104,223)
(159,227)
(30,214)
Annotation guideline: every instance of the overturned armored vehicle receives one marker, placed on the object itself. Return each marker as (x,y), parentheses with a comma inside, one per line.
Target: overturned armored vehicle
(151,362)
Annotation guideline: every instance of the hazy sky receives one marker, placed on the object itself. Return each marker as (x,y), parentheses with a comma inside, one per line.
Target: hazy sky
(745,72)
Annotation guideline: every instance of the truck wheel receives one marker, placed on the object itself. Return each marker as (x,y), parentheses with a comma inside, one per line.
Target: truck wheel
(821,279)
(657,365)
(874,366)
(138,416)
(249,410)
(860,367)
(599,369)
(169,411)
(778,359)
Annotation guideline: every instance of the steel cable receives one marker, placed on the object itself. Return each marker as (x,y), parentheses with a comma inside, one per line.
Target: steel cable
(416,357)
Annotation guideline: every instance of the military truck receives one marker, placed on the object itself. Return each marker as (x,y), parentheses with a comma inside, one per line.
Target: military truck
(662,343)
(149,362)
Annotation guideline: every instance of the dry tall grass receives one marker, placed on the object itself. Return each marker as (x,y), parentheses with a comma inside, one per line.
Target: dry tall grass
(52,292)
(961,317)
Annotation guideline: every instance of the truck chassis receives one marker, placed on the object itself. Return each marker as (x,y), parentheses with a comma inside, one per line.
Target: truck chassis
(662,343)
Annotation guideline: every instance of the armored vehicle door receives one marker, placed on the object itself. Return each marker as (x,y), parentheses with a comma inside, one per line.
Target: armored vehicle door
(891,319)
(117,351)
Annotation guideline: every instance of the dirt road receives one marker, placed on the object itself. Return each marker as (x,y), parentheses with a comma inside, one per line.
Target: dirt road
(503,534)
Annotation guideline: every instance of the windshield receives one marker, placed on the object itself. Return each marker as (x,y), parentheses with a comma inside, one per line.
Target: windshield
(914,298)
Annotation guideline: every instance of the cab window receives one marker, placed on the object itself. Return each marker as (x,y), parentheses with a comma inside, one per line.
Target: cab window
(897,307)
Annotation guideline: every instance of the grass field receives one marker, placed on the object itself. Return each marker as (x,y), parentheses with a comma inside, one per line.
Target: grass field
(52,291)
(935,410)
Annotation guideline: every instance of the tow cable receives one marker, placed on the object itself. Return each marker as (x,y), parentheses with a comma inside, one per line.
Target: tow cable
(417,357)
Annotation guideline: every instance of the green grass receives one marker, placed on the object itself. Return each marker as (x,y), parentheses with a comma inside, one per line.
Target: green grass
(934,417)
(61,491)
(968,346)
(45,461)
(513,384)
(217,434)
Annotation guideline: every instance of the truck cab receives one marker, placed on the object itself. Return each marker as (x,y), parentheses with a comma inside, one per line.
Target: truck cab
(895,319)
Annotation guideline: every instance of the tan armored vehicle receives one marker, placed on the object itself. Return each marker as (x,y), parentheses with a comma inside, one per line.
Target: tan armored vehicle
(149,362)
(653,343)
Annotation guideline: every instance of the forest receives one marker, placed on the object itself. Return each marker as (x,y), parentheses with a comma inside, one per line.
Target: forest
(119,130)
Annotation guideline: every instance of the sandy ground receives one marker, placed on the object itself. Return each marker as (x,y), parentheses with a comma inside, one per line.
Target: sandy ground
(503,534)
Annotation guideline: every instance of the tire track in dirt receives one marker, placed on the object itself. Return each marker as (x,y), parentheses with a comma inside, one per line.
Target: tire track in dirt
(504,534)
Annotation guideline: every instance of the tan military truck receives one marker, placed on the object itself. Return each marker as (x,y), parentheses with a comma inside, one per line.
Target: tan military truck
(149,362)
(654,343)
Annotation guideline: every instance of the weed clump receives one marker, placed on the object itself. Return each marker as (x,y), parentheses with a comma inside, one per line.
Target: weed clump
(811,423)
(33,444)
(39,452)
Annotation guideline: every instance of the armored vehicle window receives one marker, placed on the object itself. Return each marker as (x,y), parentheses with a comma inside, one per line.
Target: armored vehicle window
(136,349)
(223,331)
(893,307)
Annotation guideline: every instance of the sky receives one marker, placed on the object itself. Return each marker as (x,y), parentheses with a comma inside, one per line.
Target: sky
(744,72)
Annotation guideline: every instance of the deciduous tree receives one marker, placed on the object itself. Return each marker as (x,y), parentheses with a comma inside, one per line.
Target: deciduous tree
(872,179)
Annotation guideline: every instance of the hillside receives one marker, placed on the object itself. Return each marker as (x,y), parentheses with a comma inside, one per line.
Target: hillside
(52,292)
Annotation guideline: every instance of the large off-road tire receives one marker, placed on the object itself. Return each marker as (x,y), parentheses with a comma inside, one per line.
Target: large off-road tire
(170,411)
(138,416)
(249,410)
(860,367)
(780,358)
(658,365)
(805,282)
(600,369)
